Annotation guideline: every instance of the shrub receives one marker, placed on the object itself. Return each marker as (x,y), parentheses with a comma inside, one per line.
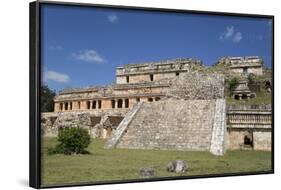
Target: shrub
(251,78)
(72,140)
(233,83)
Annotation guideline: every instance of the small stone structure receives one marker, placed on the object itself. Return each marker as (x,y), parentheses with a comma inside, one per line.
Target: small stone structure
(242,91)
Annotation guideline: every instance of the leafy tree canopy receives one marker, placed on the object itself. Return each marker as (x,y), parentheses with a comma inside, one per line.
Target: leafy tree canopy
(47,99)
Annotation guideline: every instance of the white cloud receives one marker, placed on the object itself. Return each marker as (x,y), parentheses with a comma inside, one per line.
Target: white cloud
(112,18)
(237,37)
(89,55)
(231,34)
(55,76)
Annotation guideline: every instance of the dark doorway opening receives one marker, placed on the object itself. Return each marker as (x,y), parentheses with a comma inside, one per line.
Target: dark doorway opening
(94,105)
(99,104)
(151,78)
(112,103)
(119,103)
(126,103)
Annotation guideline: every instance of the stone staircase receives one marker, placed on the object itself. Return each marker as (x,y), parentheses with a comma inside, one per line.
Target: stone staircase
(219,128)
(122,127)
(171,125)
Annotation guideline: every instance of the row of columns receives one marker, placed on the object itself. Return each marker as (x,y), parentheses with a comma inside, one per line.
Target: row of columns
(97,104)
(94,104)
(249,118)
(65,106)
(119,103)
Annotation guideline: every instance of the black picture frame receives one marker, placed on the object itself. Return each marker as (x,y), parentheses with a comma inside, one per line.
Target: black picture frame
(35,81)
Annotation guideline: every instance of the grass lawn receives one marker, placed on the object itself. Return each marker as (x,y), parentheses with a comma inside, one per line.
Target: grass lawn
(262,98)
(119,164)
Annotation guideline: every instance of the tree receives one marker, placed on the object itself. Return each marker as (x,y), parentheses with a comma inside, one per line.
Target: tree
(47,99)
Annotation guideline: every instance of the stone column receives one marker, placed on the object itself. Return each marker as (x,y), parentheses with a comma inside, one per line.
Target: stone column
(123,103)
(240,96)
(57,107)
(91,104)
(63,106)
(116,103)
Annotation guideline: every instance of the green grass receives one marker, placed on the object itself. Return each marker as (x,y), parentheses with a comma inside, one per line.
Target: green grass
(262,98)
(120,164)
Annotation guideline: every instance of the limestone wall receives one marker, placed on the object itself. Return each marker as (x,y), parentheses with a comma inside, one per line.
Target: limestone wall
(254,122)
(147,77)
(155,71)
(254,70)
(197,86)
(262,140)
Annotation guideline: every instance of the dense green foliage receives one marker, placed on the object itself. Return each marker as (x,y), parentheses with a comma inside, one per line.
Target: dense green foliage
(119,164)
(47,99)
(232,83)
(72,140)
(251,78)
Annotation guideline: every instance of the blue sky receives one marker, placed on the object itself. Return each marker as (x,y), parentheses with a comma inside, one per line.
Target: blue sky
(82,46)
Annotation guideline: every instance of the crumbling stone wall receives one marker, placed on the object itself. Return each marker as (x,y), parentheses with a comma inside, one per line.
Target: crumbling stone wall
(197,86)
(96,122)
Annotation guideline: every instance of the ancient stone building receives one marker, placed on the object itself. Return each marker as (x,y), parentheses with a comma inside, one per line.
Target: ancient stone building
(242,91)
(162,105)
(146,82)
(243,65)
(191,117)
(134,83)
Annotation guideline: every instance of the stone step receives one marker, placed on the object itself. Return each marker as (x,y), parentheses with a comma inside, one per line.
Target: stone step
(159,125)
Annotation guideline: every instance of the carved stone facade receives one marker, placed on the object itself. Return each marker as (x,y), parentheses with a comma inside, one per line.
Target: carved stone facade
(242,91)
(243,65)
(249,127)
(134,83)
